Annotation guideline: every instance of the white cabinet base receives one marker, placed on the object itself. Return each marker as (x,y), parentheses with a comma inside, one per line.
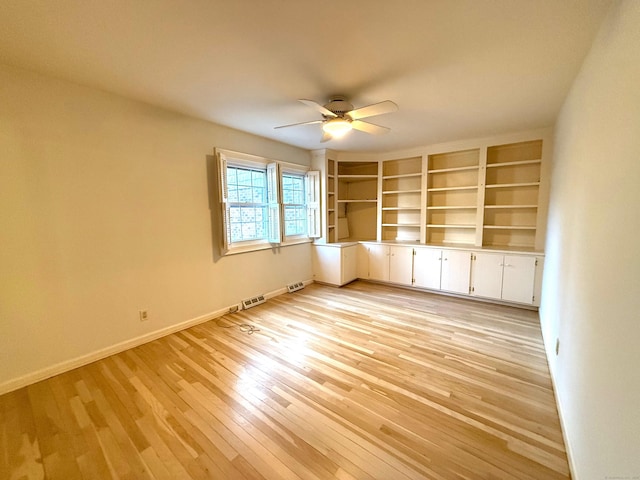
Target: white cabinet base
(510,278)
(334,264)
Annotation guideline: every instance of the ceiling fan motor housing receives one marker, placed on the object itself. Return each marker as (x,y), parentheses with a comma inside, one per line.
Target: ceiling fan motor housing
(339,105)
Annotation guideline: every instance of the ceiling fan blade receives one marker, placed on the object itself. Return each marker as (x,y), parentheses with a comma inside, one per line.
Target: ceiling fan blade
(369,127)
(298,124)
(318,107)
(376,109)
(325,137)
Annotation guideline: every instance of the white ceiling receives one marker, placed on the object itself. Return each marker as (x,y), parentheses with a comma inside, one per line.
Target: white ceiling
(456,68)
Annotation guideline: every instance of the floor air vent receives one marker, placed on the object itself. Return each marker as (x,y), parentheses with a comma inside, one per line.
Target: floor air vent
(252,302)
(294,287)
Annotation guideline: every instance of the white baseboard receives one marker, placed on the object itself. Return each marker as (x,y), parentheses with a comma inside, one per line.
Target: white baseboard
(67,365)
(563,426)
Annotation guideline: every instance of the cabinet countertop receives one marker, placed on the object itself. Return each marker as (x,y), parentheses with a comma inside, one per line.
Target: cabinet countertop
(487,249)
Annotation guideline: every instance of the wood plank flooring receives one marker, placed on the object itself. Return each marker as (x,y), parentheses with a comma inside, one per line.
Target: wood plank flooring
(362,382)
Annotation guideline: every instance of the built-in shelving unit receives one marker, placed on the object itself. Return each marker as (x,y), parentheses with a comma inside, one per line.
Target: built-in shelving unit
(357,200)
(331,201)
(511,194)
(452,197)
(490,193)
(401,199)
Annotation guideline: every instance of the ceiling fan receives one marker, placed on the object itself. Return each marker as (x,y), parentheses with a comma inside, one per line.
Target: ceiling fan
(339,117)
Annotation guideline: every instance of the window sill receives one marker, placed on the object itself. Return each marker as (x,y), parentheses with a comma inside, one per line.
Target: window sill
(265,246)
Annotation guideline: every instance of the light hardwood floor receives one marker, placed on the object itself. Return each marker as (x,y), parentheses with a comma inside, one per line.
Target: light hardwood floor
(362,382)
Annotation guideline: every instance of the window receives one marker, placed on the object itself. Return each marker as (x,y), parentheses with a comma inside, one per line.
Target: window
(265,202)
(294,202)
(247,198)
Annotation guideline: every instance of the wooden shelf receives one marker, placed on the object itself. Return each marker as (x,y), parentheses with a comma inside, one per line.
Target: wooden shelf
(356,178)
(511,227)
(453,207)
(454,169)
(513,164)
(399,192)
(451,189)
(412,225)
(513,185)
(359,201)
(404,175)
(510,206)
(401,208)
(450,226)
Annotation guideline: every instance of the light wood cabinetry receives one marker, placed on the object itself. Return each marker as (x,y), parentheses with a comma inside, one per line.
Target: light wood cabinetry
(511,278)
(334,264)
(357,199)
(452,198)
(401,199)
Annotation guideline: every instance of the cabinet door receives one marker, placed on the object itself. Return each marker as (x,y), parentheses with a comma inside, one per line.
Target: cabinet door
(349,258)
(326,264)
(378,262)
(401,265)
(362,260)
(456,271)
(426,268)
(487,275)
(518,278)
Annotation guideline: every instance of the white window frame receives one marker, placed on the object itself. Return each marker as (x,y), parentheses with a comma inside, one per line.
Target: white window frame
(294,170)
(275,228)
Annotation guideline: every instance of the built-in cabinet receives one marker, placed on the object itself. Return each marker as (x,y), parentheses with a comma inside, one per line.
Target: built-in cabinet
(424,215)
(334,264)
(446,270)
(511,278)
(377,267)
(497,276)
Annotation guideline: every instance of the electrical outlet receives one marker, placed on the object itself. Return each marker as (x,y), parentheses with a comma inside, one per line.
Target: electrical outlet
(557,346)
(144,315)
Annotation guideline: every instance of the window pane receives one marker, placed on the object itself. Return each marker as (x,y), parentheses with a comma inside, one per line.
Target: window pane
(232,193)
(293,198)
(246,187)
(295,220)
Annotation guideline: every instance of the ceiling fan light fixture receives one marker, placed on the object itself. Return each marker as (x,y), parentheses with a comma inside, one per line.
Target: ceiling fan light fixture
(337,127)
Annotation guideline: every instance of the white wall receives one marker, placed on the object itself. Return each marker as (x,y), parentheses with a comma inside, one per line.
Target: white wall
(104,210)
(591,290)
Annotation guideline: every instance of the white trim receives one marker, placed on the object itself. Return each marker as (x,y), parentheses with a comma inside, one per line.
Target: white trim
(67,365)
(549,350)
